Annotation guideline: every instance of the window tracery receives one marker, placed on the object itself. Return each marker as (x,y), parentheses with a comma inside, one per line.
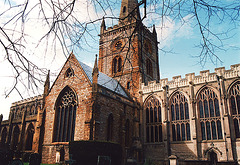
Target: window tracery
(69,73)
(235,107)
(65,116)
(118,45)
(209,115)
(153,121)
(180,117)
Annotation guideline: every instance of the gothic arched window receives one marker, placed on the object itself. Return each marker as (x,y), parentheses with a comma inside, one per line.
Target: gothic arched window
(180,117)
(235,107)
(66,106)
(153,121)
(117,64)
(110,128)
(15,137)
(69,73)
(29,139)
(128,85)
(3,136)
(209,115)
(149,68)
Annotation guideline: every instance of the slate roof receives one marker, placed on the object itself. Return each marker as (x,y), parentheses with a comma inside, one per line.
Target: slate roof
(104,80)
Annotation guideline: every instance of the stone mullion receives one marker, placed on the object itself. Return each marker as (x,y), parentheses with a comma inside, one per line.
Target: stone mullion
(59,116)
(73,122)
(66,116)
(62,124)
(59,124)
(70,124)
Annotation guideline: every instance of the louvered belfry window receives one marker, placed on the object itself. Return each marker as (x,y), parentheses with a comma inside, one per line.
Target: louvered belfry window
(209,115)
(65,116)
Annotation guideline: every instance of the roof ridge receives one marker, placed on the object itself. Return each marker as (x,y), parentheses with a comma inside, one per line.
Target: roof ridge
(104,80)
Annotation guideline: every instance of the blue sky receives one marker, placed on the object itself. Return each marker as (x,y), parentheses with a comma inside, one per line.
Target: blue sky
(180,39)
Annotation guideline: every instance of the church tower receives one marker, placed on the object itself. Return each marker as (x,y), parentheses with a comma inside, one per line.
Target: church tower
(128,51)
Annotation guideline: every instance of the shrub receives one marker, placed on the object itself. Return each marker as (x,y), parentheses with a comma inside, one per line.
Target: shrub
(87,152)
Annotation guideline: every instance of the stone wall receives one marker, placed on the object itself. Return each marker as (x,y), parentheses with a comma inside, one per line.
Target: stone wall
(220,82)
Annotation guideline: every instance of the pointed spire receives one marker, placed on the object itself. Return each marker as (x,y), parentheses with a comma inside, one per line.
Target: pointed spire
(154,30)
(103,26)
(95,68)
(47,84)
(95,74)
(129,11)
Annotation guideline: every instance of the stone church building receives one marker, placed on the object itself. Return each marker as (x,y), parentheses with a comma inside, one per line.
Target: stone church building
(193,120)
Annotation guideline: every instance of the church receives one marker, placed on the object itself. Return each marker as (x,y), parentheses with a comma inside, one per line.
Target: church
(191,120)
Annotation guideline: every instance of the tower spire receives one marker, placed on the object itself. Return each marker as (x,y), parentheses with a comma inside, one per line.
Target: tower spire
(103,26)
(129,11)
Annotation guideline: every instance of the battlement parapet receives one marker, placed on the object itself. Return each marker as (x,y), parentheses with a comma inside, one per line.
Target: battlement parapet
(121,27)
(191,78)
(25,101)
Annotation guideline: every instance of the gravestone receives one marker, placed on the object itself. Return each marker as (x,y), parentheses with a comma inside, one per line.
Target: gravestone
(16,162)
(104,160)
(34,159)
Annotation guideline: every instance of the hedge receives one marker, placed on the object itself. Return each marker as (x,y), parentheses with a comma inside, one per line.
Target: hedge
(88,152)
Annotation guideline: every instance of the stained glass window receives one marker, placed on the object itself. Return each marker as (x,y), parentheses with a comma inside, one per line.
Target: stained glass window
(65,116)
(180,118)
(153,120)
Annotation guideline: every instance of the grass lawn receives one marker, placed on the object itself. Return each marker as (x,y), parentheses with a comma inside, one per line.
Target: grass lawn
(41,164)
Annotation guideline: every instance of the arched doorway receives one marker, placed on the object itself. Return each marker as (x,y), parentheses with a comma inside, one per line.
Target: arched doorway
(213,158)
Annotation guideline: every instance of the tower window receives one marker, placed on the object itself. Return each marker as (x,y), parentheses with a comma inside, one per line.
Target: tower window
(128,85)
(148,46)
(117,64)
(149,68)
(118,45)
(124,9)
